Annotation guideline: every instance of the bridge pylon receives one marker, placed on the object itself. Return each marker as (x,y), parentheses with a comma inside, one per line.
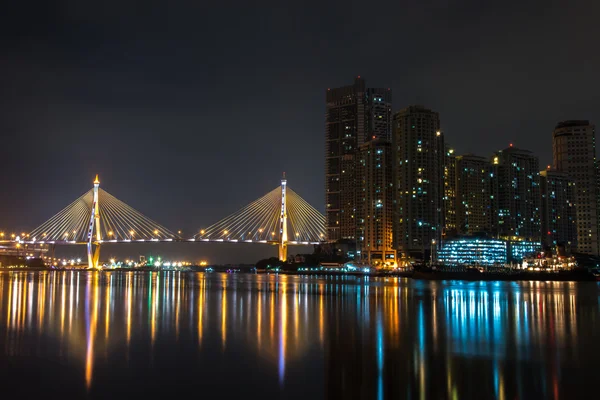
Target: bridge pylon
(283,236)
(94,253)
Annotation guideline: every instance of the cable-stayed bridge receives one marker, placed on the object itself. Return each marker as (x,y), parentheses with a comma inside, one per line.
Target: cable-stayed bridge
(280,217)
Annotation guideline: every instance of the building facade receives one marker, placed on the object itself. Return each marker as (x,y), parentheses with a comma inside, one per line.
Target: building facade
(354,115)
(574,153)
(559,219)
(374,210)
(515,180)
(473,194)
(418,179)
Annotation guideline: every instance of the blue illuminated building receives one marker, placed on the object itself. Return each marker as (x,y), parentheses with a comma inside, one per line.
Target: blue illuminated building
(472,250)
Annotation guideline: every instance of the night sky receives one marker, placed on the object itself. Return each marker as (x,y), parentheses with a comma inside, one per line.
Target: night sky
(189,111)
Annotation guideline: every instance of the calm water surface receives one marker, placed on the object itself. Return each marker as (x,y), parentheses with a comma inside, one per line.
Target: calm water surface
(151,335)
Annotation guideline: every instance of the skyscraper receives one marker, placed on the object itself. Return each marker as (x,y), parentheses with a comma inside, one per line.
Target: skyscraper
(473,206)
(354,115)
(375,203)
(449,201)
(559,225)
(418,179)
(516,195)
(574,153)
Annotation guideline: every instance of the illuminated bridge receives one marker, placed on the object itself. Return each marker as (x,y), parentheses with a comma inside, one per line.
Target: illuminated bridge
(281,217)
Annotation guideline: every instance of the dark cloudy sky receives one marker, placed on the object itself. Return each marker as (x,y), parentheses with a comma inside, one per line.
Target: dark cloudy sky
(190,109)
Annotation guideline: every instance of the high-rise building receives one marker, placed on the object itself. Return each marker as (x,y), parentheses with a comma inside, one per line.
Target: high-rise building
(354,115)
(374,203)
(418,179)
(559,224)
(574,153)
(449,201)
(473,202)
(516,195)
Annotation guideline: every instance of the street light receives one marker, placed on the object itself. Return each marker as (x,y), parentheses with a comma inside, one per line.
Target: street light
(131,234)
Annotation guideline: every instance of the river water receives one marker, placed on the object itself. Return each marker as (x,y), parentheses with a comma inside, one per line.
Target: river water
(231,336)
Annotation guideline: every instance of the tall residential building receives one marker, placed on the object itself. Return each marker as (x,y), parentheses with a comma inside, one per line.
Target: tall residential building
(574,153)
(374,203)
(418,179)
(559,224)
(473,191)
(449,201)
(354,115)
(516,195)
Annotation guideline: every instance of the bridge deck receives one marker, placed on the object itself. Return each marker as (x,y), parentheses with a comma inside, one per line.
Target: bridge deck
(74,242)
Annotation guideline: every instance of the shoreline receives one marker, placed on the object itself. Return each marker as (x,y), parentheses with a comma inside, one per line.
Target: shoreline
(429,275)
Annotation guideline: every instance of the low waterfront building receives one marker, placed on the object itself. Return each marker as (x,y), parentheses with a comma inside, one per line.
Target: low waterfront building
(473,250)
(518,250)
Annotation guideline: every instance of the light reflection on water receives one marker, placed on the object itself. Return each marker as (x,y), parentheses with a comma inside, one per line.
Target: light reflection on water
(86,333)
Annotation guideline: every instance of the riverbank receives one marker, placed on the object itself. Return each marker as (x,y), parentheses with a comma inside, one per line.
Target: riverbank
(421,274)
(578,275)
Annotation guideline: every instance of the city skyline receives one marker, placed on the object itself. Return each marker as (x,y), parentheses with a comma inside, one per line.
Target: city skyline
(84,99)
